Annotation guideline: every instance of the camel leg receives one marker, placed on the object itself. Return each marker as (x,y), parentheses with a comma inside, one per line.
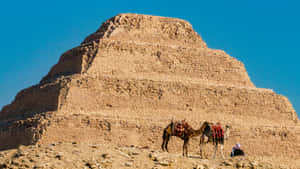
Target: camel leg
(215,151)
(163,144)
(185,147)
(201,146)
(221,150)
(201,150)
(166,143)
(165,137)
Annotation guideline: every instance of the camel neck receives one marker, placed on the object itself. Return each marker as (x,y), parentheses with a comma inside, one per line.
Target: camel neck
(199,131)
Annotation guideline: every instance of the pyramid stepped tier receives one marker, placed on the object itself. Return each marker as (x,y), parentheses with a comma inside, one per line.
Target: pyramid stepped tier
(145,28)
(121,57)
(90,94)
(126,81)
(143,127)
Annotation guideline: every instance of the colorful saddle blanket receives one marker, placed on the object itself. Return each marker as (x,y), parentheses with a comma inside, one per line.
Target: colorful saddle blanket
(180,127)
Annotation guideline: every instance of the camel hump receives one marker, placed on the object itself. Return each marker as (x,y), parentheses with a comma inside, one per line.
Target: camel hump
(205,123)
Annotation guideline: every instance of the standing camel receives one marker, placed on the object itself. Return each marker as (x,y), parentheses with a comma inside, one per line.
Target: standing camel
(186,133)
(214,134)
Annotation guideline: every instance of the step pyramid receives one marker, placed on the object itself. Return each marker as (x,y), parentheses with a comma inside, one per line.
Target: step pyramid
(126,81)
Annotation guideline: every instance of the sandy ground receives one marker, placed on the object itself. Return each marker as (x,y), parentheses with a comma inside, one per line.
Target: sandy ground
(74,155)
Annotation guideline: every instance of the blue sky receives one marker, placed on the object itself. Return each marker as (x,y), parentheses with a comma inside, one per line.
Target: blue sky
(264,35)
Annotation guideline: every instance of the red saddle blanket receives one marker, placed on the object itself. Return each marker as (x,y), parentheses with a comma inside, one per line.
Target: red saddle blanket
(218,131)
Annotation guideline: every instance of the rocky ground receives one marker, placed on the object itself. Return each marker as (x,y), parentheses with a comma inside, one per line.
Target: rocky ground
(74,155)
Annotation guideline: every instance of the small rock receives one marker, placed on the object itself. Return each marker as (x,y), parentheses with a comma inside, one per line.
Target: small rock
(21,147)
(15,163)
(3,165)
(205,165)
(31,160)
(90,164)
(26,166)
(50,147)
(238,164)
(38,165)
(133,152)
(105,155)
(155,167)
(153,156)
(124,155)
(145,147)
(128,164)
(227,163)
(58,157)
(164,163)
(107,161)
(199,167)
(253,163)
(161,157)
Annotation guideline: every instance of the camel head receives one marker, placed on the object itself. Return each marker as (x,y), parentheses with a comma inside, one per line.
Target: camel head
(172,122)
(227,131)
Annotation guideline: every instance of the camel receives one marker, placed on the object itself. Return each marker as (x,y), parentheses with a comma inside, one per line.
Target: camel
(215,137)
(187,133)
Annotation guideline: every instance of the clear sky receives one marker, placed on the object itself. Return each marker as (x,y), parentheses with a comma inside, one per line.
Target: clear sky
(263,34)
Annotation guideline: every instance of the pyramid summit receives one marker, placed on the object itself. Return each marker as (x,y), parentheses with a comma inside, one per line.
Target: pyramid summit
(125,82)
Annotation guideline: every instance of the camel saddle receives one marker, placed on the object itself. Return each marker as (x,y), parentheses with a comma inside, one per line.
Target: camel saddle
(218,131)
(180,127)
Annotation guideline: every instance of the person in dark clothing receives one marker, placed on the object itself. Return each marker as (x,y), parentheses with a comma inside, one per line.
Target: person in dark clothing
(237,151)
